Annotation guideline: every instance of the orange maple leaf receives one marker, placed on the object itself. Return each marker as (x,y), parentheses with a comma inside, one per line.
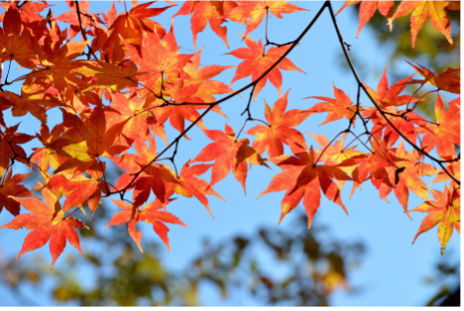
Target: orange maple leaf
(130,26)
(11,188)
(52,143)
(56,60)
(86,20)
(188,184)
(91,139)
(114,77)
(204,12)
(444,211)
(302,178)
(160,60)
(445,132)
(278,131)
(15,41)
(405,176)
(130,110)
(228,153)
(449,80)
(78,190)
(153,177)
(29,11)
(336,153)
(421,11)
(256,62)
(367,10)
(15,139)
(386,96)
(338,107)
(149,213)
(48,222)
(255,11)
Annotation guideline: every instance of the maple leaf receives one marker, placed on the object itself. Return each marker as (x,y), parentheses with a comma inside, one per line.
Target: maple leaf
(302,178)
(386,96)
(375,166)
(204,12)
(154,175)
(52,143)
(228,153)
(405,176)
(445,132)
(35,98)
(114,77)
(367,10)
(278,131)
(48,223)
(15,41)
(77,99)
(8,137)
(131,26)
(338,107)
(421,11)
(11,188)
(188,184)
(207,88)
(402,120)
(453,168)
(449,80)
(86,20)
(131,111)
(93,139)
(78,189)
(256,62)
(149,213)
(444,211)
(336,153)
(87,142)
(177,114)
(56,60)
(255,11)
(159,59)
(29,11)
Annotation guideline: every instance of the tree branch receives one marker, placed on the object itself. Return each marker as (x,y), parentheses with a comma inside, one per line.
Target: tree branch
(355,74)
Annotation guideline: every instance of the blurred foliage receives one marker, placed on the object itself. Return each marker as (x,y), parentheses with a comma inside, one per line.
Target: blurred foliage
(447,278)
(432,49)
(275,266)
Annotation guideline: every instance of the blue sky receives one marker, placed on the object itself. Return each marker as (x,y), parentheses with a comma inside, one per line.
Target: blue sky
(393,270)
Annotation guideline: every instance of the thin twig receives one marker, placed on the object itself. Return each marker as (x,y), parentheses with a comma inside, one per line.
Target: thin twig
(83,30)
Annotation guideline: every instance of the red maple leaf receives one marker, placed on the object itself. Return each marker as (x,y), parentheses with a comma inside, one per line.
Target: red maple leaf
(302,177)
(11,188)
(204,12)
(278,131)
(188,184)
(338,107)
(420,12)
(367,10)
(256,62)
(254,12)
(149,213)
(228,154)
(445,132)
(444,211)
(48,222)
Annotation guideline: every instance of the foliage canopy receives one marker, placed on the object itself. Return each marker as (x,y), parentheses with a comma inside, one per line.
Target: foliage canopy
(119,78)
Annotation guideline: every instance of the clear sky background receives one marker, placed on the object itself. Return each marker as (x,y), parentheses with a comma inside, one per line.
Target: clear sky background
(392,272)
